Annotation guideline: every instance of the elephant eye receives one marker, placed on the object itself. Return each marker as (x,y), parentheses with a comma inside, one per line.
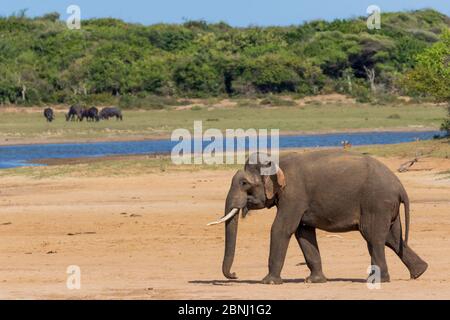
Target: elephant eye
(244,183)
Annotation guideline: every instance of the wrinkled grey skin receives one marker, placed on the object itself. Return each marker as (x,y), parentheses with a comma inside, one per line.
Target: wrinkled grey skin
(336,191)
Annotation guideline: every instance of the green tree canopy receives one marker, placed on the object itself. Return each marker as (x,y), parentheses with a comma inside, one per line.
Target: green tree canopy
(431,74)
(42,61)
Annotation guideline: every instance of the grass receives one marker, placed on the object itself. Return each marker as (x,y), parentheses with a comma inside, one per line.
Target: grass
(445,174)
(277,102)
(19,126)
(439,148)
(135,165)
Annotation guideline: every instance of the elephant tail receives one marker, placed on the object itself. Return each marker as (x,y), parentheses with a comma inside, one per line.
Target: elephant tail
(405,200)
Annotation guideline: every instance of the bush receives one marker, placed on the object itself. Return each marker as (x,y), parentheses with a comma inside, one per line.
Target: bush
(271,73)
(277,102)
(384,98)
(197,77)
(361,92)
(446,126)
(148,102)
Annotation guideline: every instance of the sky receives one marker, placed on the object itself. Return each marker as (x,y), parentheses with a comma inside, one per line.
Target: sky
(234,12)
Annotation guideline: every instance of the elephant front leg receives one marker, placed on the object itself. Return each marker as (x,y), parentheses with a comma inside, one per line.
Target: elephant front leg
(282,230)
(306,237)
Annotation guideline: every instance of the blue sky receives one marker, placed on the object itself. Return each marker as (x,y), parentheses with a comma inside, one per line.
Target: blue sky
(234,12)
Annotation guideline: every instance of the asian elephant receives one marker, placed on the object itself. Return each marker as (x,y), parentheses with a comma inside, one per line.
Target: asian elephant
(332,190)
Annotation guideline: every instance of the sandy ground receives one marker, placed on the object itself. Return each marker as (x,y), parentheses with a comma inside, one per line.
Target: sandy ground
(146,237)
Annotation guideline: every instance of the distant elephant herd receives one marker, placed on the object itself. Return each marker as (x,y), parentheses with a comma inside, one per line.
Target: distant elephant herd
(79,113)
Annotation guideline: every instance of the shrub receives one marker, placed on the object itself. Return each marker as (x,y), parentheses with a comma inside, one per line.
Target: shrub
(198,77)
(446,126)
(276,102)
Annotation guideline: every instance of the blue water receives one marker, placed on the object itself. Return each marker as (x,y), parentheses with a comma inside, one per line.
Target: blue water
(23,155)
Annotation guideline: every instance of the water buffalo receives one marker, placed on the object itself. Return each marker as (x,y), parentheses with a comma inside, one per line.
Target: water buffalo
(75,113)
(110,112)
(90,114)
(48,114)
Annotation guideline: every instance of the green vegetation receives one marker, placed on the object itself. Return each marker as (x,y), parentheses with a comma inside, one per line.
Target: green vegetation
(109,61)
(446,174)
(20,126)
(431,75)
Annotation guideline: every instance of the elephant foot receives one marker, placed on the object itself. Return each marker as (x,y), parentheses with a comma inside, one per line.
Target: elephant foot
(272,280)
(316,278)
(419,270)
(230,276)
(383,279)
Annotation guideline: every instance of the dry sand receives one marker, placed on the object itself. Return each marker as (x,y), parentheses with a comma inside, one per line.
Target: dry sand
(146,237)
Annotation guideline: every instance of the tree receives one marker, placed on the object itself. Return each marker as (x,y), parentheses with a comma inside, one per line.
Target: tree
(42,61)
(198,76)
(271,73)
(148,74)
(431,75)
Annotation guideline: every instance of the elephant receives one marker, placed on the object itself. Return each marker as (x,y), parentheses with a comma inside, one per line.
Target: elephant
(49,115)
(331,190)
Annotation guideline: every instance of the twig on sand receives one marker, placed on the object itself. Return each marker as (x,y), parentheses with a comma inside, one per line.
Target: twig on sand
(80,233)
(405,166)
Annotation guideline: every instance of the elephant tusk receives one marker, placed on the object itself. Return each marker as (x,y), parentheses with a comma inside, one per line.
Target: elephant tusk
(225,218)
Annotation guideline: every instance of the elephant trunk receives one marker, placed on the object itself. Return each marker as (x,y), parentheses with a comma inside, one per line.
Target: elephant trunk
(231,227)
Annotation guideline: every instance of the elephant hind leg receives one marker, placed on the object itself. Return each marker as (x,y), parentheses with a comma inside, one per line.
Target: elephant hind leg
(306,237)
(412,261)
(375,231)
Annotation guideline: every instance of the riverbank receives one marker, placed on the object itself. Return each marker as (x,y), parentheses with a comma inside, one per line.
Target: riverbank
(29,155)
(124,166)
(29,126)
(33,141)
(139,235)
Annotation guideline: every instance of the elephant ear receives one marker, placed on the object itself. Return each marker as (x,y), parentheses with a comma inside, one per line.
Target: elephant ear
(274,183)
